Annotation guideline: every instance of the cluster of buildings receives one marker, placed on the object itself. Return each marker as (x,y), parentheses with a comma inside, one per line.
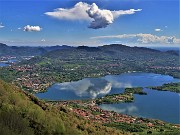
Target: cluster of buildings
(94,113)
(24,68)
(32,84)
(31,81)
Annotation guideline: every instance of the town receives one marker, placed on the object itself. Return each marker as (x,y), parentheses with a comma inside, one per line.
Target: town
(92,112)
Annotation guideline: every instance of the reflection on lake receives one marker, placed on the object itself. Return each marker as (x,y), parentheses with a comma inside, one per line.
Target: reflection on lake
(97,87)
(156,104)
(87,87)
(83,89)
(163,105)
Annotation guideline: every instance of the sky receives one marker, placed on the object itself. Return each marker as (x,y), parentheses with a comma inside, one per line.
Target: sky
(90,22)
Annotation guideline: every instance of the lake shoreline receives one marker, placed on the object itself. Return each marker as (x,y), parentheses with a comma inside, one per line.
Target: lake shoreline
(109,97)
(45,89)
(90,111)
(117,98)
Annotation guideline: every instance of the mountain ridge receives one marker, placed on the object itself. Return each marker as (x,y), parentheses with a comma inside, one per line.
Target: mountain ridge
(6,50)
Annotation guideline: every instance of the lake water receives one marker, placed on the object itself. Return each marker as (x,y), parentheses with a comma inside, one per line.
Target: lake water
(3,64)
(157,104)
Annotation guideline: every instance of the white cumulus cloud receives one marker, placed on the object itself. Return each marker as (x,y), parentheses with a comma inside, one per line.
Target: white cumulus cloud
(157,30)
(116,14)
(100,18)
(78,12)
(29,28)
(149,38)
(144,38)
(1,26)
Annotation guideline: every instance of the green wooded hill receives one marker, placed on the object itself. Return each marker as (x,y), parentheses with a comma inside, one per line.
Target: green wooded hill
(86,61)
(23,114)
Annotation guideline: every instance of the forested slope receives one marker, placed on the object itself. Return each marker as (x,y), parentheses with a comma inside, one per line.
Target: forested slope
(23,114)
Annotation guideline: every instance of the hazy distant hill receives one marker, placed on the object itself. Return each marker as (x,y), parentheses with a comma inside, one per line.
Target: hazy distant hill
(27,51)
(173,52)
(57,47)
(111,52)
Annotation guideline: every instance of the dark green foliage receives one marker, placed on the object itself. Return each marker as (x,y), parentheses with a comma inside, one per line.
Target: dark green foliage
(174,87)
(128,127)
(14,122)
(137,90)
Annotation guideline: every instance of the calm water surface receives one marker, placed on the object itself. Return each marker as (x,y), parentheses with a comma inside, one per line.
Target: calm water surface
(97,87)
(157,104)
(3,64)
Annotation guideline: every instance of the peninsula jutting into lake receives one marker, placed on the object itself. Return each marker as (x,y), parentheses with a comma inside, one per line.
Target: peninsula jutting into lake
(89,67)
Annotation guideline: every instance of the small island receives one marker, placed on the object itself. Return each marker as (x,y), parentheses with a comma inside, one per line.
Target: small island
(173,87)
(135,90)
(127,96)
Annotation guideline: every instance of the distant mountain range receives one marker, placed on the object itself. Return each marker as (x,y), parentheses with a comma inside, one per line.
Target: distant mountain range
(6,50)
(28,51)
(113,51)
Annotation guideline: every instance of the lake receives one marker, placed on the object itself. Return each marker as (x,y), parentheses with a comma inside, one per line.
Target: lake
(157,104)
(163,105)
(2,64)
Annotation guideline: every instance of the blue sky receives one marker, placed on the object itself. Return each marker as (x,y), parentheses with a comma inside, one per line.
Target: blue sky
(130,22)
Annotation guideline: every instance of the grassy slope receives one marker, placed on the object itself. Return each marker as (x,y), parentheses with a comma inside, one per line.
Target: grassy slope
(21,113)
